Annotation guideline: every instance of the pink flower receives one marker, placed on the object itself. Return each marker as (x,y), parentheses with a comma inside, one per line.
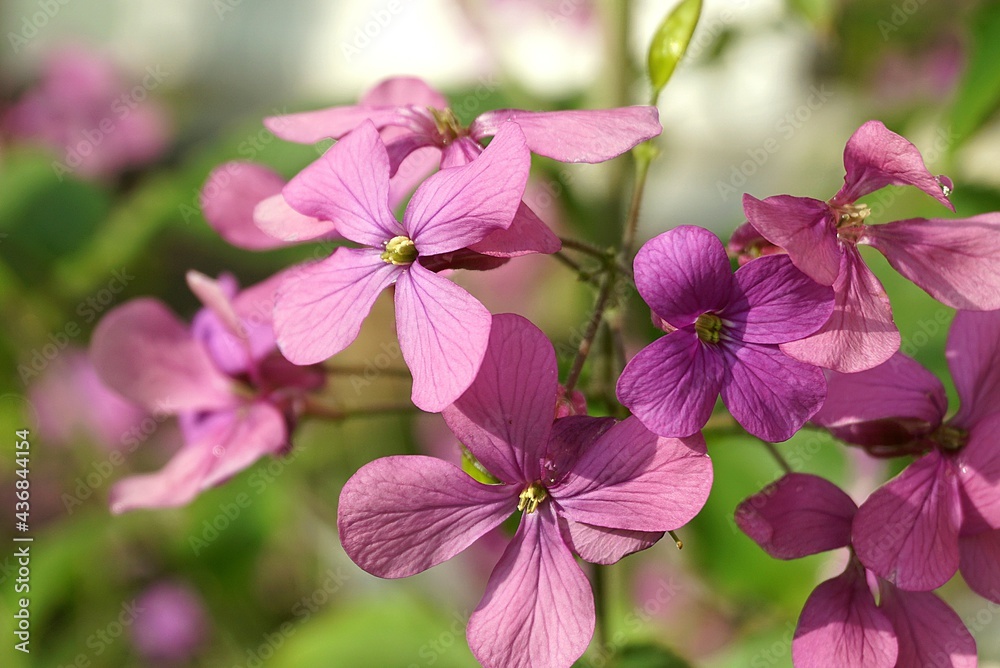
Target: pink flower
(588,486)
(442,329)
(723,332)
(841,625)
(956,261)
(172,624)
(235,396)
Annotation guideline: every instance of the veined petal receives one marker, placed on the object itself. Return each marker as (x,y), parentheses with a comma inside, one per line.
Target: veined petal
(228,199)
(861,333)
(804,227)
(929,632)
(771,394)
(683,273)
(907,530)
(632,479)
(974,359)
(320,306)
(840,625)
(876,157)
(443,332)
(779,303)
(277,219)
(570,438)
(584,135)
(309,127)
(798,515)
(600,545)
(459,206)
(414,169)
(349,185)
(402,91)
(401,515)
(526,234)
(144,353)
(978,466)
(671,384)
(979,560)
(506,415)
(538,609)
(955,261)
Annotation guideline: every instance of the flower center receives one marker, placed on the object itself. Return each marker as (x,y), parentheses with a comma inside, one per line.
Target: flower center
(533,495)
(950,438)
(850,221)
(708,327)
(447,124)
(399,250)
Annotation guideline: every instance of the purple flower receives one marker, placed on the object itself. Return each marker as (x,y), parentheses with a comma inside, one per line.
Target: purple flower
(942,512)
(840,624)
(588,486)
(172,623)
(956,261)
(723,335)
(235,396)
(442,329)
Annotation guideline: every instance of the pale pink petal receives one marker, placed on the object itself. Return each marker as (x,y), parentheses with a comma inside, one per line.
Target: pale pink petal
(841,626)
(632,479)
(443,332)
(228,199)
(143,352)
(275,218)
(216,298)
(527,234)
(979,560)
(320,306)
(798,515)
(876,157)
(907,530)
(672,384)
(402,91)
(804,227)
(600,545)
(956,261)
(309,127)
(349,185)
(585,135)
(978,465)
(929,632)
(861,333)
(974,359)
(506,415)
(401,515)
(538,609)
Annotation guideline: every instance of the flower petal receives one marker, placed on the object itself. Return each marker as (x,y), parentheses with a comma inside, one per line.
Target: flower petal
(443,333)
(506,415)
(683,273)
(349,185)
(459,206)
(979,470)
(860,334)
(907,530)
(527,234)
(955,261)
(228,199)
(779,303)
(586,135)
(600,545)
(320,306)
(631,479)
(768,392)
(401,515)
(538,609)
(974,359)
(979,560)
(804,227)
(798,515)
(144,353)
(277,219)
(672,384)
(876,157)
(309,127)
(929,632)
(402,91)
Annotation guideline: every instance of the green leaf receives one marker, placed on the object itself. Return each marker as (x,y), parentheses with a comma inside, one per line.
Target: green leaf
(979,92)
(648,656)
(478,472)
(670,42)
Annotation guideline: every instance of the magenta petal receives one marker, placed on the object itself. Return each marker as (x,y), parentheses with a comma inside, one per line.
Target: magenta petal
(907,530)
(443,332)
(804,227)
(589,135)
(401,515)
(683,273)
(228,199)
(780,303)
(929,632)
(461,205)
(600,545)
(979,470)
(672,384)
(798,515)
(860,334)
(974,359)
(309,127)
(876,157)
(411,173)
(349,185)
(979,560)
(506,415)
(840,625)
(403,91)
(526,234)
(538,609)
(632,479)
(320,306)
(275,218)
(956,261)
(768,392)
(144,353)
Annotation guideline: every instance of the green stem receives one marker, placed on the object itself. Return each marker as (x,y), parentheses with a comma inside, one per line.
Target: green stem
(601,605)
(583,350)
(778,457)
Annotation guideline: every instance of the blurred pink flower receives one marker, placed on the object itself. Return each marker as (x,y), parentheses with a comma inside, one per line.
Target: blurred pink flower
(171,625)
